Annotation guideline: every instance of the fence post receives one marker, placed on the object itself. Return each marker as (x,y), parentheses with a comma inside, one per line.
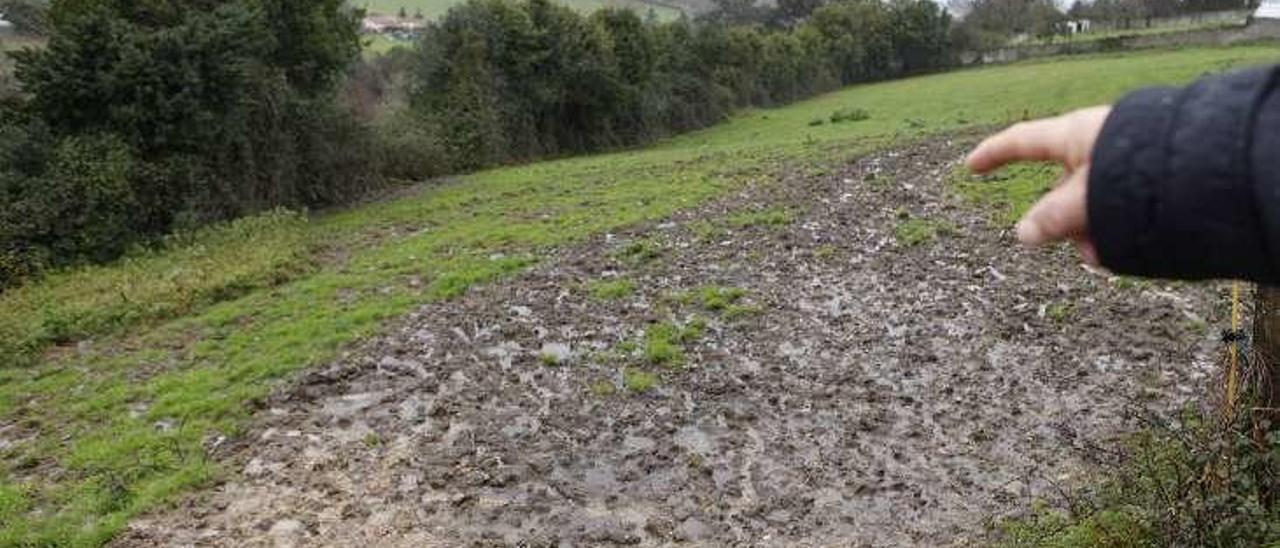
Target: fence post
(1265,364)
(1266,347)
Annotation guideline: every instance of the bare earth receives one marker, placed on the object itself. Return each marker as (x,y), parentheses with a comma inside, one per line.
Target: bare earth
(884,395)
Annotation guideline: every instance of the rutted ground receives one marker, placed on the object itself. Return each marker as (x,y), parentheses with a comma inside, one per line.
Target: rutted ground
(855,358)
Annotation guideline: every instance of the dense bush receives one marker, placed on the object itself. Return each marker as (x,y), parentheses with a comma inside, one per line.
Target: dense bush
(1197,481)
(505,81)
(140,118)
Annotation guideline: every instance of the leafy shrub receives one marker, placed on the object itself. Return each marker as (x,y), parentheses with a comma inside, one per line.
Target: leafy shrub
(83,206)
(849,115)
(139,120)
(410,148)
(1198,481)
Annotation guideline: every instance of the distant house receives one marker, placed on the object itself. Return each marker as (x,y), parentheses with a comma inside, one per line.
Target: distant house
(1078,26)
(1269,10)
(386,24)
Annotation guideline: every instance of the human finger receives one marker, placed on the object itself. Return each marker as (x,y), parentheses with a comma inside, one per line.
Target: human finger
(1059,215)
(1039,140)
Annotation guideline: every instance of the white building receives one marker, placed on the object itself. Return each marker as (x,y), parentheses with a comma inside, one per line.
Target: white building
(1079,26)
(1268,9)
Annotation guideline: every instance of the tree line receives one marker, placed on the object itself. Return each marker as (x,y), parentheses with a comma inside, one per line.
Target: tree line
(500,81)
(140,118)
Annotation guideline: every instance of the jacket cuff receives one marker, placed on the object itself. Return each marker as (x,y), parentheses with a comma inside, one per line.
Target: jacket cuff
(1170,187)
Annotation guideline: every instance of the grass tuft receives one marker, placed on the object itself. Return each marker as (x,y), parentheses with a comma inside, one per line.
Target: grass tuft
(639,381)
(603,389)
(849,115)
(914,231)
(639,252)
(770,217)
(611,290)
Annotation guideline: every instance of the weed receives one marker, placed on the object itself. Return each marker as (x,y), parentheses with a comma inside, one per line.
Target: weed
(816,122)
(707,232)
(549,359)
(609,290)
(1129,282)
(825,252)
(849,115)
(664,342)
(911,232)
(880,182)
(770,217)
(717,298)
(639,381)
(639,252)
(1058,312)
(603,389)
(661,350)
(627,348)
(694,329)
(372,439)
(737,311)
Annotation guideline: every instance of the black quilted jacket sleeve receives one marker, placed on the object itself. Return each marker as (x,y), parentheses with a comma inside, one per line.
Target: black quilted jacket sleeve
(1185,182)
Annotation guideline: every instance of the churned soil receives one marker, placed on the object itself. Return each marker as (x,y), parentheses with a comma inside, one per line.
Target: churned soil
(857,358)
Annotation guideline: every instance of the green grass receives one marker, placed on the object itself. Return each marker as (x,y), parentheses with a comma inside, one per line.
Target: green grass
(1007,193)
(602,389)
(713,298)
(611,290)
(126,371)
(1059,311)
(433,9)
(914,231)
(664,342)
(639,252)
(639,381)
(378,44)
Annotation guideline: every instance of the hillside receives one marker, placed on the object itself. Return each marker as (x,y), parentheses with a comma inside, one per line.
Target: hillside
(724,306)
(432,9)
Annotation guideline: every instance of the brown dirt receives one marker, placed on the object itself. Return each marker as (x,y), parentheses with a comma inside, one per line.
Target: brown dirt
(883,396)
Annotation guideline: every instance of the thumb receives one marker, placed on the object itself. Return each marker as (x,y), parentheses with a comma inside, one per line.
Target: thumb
(1060,214)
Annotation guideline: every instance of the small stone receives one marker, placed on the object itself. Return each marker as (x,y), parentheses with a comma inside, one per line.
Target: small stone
(255,468)
(560,352)
(286,532)
(692,530)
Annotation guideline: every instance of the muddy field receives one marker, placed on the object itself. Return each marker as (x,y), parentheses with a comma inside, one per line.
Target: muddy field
(825,383)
